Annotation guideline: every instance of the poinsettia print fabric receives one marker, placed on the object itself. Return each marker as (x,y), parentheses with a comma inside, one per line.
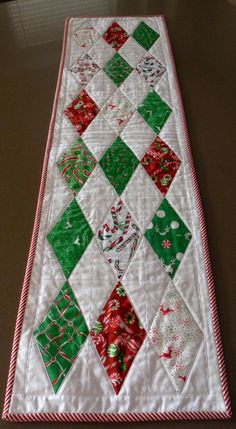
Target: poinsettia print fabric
(150,69)
(116,36)
(81,111)
(119,237)
(118,335)
(176,337)
(161,163)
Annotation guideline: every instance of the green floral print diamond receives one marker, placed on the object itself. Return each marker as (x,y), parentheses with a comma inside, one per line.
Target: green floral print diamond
(61,335)
(76,165)
(118,164)
(154,111)
(168,236)
(69,237)
(117,69)
(145,35)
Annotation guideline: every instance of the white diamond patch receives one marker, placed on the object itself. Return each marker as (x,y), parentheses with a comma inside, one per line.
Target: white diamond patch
(95,198)
(117,111)
(145,281)
(118,236)
(129,88)
(132,52)
(142,197)
(100,88)
(138,135)
(176,337)
(84,69)
(98,136)
(101,52)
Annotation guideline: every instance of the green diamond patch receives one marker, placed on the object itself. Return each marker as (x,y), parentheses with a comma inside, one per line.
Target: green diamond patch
(145,35)
(117,69)
(168,236)
(69,237)
(61,335)
(154,111)
(76,165)
(119,163)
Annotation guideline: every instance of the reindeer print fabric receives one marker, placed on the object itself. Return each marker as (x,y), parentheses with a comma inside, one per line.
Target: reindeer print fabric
(117,320)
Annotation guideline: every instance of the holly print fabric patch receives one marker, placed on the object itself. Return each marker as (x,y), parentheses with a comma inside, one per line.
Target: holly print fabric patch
(119,237)
(168,236)
(161,163)
(61,335)
(118,335)
(176,337)
(76,165)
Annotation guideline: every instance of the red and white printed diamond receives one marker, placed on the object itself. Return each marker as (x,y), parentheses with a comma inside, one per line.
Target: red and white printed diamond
(176,337)
(161,163)
(117,111)
(81,111)
(119,237)
(116,36)
(84,69)
(118,335)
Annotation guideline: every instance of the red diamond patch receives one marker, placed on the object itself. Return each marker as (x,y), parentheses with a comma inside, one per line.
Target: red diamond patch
(118,336)
(81,111)
(161,163)
(116,36)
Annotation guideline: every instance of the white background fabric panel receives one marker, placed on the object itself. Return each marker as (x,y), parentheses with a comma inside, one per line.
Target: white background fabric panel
(147,387)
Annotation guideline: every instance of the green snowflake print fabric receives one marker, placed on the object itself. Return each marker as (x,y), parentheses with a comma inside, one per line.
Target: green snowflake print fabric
(168,236)
(70,236)
(119,164)
(76,165)
(61,335)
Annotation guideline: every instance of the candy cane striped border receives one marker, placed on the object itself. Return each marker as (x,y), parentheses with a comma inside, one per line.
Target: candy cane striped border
(115,417)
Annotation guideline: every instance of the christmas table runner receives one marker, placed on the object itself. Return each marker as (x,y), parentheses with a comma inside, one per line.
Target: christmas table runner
(117,318)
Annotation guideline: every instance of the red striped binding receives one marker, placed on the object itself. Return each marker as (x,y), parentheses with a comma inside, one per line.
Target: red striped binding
(115,417)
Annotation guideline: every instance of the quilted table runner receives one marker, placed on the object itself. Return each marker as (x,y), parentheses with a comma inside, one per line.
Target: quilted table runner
(117,318)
